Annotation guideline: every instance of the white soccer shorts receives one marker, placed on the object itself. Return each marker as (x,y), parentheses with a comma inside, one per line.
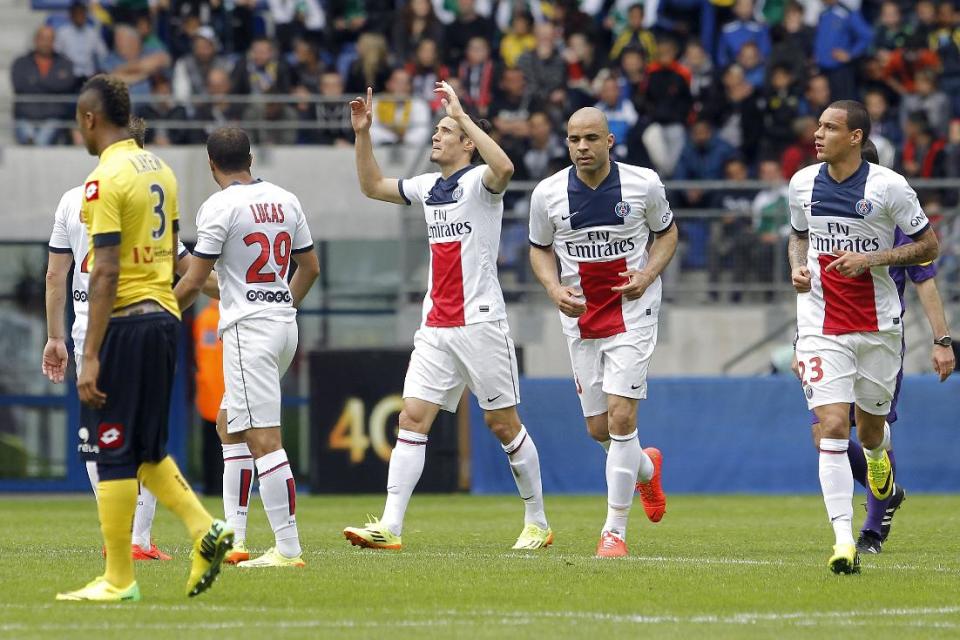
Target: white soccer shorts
(616,365)
(480,356)
(854,367)
(256,354)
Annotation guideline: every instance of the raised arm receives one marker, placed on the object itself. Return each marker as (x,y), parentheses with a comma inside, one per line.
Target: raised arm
(499,167)
(372,183)
(54,363)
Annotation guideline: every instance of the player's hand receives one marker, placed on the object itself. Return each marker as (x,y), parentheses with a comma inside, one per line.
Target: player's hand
(800,277)
(361,112)
(449,100)
(90,395)
(54,364)
(944,362)
(637,283)
(795,366)
(570,301)
(849,264)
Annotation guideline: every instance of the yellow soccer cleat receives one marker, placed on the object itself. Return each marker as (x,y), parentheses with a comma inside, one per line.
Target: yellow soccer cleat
(533,537)
(99,590)
(237,554)
(208,554)
(880,476)
(273,558)
(373,535)
(845,559)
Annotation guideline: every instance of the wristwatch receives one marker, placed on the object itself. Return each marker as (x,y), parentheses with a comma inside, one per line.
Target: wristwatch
(945,341)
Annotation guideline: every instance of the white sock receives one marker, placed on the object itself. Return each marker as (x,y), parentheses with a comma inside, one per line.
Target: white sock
(623,465)
(94,476)
(143,517)
(278,492)
(525,464)
(836,481)
(237,484)
(605,444)
(406,466)
(646,468)
(886,444)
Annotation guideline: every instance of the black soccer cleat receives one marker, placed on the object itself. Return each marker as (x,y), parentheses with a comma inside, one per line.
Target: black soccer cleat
(869,542)
(896,500)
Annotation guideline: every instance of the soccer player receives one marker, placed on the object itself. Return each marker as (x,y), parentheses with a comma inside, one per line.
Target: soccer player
(876,526)
(251,230)
(129,352)
(464,338)
(844,213)
(596,218)
(69,245)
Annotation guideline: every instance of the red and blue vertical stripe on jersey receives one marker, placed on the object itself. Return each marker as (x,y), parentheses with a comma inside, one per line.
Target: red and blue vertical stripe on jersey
(849,304)
(598,208)
(446,291)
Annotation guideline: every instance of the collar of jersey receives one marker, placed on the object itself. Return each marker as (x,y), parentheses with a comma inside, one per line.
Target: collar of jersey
(119,145)
(613,175)
(237,183)
(442,190)
(864,166)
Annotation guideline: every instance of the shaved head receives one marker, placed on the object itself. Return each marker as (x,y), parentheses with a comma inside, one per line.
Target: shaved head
(589,142)
(590,117)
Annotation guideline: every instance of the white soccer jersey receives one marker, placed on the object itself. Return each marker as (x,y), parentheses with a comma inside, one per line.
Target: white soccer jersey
(598,234)
(69,235)
(859,214)
(463,225)
(252,231)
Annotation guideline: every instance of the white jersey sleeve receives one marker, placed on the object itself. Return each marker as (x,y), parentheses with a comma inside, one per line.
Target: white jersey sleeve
(541,228)
(484,193)
(656,207)
(59,238)
(212,225)
(302,240)
(69,235)
(798,217)
(904,208)
(415,189)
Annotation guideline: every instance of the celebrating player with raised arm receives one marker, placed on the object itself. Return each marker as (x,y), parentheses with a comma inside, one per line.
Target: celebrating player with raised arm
(844,213)
(464,337)
(130,348)
(596,217)
(252,229)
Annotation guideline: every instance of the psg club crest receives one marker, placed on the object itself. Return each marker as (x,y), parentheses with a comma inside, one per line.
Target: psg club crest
(864,208)
(622,209)
(457,193)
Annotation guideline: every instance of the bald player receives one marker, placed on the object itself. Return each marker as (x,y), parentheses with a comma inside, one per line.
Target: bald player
(596,218)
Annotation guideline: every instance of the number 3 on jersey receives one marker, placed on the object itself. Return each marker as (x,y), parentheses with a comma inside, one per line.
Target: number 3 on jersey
(158,211)
(279,248)
(816,368)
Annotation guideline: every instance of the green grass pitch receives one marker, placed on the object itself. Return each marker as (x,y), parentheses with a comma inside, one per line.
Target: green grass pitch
(717,567)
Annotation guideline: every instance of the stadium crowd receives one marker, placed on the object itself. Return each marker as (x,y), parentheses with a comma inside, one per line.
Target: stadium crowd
(697,89)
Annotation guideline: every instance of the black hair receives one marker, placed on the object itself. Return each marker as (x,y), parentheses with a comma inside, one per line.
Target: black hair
(113,96)
(857,116)
(869,152)
(486,127)
(138,130)
(229,149)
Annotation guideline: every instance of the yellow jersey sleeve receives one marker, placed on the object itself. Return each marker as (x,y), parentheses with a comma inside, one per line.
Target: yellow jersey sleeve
(103,198)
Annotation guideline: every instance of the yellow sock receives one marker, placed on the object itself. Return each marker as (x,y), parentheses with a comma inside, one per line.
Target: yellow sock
(116,504)
(167,483)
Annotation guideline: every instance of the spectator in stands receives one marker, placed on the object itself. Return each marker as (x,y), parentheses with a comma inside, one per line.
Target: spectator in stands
(893,32)
(131,63)
(518,40)
(217,109)
(946,42)
(42,71)
(425,71)
(842,37)
(263,73)
(752,65)
(732,240)
(476,77)
(928,99)
(415,22)
(80,41)
(702,158)
(307,66)
(794,41)
(163,109)
(293,19)
(817,96)
(781,106)
(902,65)
(150,41)
(925,19)
(632,74)
(371,68)
(736,34)
(544,149)
(544,67)
(953,149)
(349,21)
(583,62)
(803,151)
(695,59)
(635,35)
(736,112)
(190,71)
(400,118)
(510,112)
(924,152)
(468,24)
(334,113)
(771,219)
(667,104)
(620,112)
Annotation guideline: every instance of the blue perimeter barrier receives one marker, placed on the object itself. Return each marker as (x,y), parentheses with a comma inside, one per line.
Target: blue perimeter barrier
(720,435)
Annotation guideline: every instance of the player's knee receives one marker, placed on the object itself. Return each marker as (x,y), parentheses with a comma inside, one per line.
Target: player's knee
(502,424)
(621,421)
(597,428)
(411,421)
(834,427)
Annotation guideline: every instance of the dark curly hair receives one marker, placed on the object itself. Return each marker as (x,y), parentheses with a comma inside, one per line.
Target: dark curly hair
(114,98)
(138,130)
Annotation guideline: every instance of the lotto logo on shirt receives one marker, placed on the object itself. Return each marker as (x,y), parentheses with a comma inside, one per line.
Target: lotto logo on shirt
(110,435)
(91,190)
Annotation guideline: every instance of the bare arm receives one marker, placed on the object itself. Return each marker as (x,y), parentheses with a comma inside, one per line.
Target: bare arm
(210,288)
(308,268)
(661,252)
(372,183)
(544,263)
(54,362)
(922,249)
(193,281)
(102,296)
(943,359)
(797,251)
(499,169)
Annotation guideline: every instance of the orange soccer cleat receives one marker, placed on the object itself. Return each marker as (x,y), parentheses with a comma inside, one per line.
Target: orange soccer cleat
(651,492)
(611,546)
(153,553)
